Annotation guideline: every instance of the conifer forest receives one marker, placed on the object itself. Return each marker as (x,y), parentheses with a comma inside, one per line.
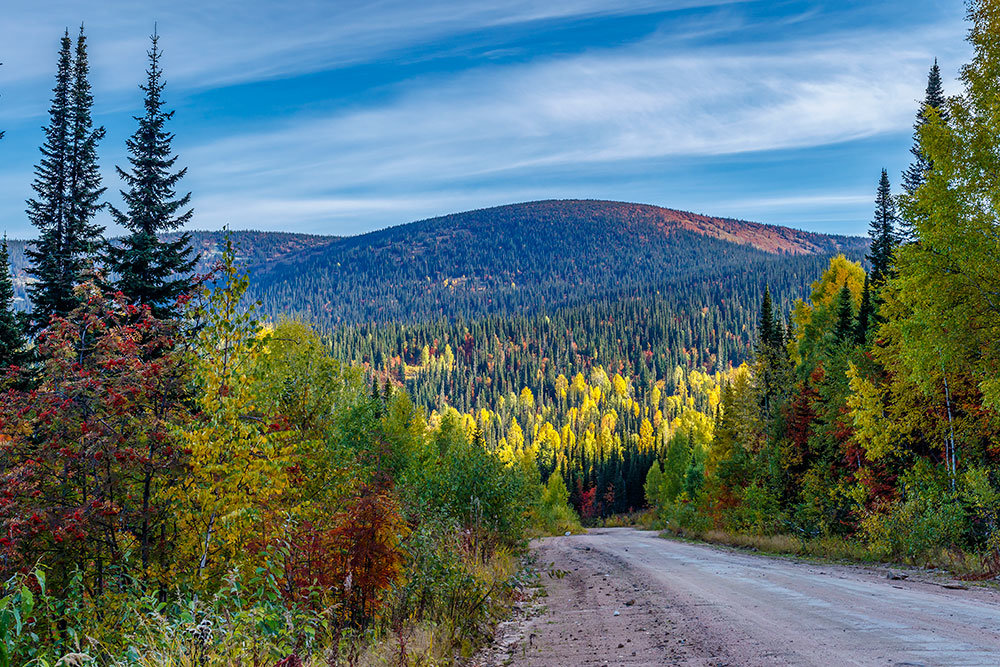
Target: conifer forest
(287,449)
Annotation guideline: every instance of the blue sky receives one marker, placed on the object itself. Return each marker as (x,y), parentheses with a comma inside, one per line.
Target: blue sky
(341,117)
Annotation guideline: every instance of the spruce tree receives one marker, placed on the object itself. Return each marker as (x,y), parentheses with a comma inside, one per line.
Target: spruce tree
(151,271)
(866,314)
(934,99)
(68,190)
(12,339)
(769,334)
(83,236)
(51,294)
(845,326)
(772,357)
(883,233)
(915,175)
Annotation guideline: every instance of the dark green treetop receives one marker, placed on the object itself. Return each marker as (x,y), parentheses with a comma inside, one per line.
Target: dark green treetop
(883,233)
(83,236)
(845,325)
(770,331)
(934,101)
(51,294)
(866,315)
(151,271)
(67,189)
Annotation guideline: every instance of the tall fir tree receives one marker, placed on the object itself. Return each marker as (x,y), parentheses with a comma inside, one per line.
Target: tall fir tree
(935,103)
(50,293)
(934,100)
(13,343)
(772,357)
(150,271)
(866,315)
(769,330)
(883,233)
(68,190)
(83,235)
(844,327)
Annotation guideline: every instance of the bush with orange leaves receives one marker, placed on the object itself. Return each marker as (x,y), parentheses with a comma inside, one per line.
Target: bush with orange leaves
(369,535)
(349,566)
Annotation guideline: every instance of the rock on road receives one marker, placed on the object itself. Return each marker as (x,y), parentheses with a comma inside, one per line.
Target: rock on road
(631,598)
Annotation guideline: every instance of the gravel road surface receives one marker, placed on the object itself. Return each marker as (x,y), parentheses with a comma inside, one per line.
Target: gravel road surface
(629,597)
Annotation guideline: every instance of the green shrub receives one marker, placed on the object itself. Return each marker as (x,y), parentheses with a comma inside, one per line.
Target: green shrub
(552,514)
(928,517)
(758,512)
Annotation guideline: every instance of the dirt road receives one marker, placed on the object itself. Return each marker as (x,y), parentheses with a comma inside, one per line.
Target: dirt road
(631,598)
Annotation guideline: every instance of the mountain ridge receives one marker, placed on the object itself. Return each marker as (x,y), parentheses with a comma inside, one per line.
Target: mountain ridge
(522,257)
(252,247)
(767,237)
(514,258)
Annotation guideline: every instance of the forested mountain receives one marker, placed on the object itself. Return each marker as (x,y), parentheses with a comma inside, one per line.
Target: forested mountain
(523,258)
(516,259)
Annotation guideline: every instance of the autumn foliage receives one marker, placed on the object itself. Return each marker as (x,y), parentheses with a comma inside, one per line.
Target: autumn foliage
(230,481)
(91,447)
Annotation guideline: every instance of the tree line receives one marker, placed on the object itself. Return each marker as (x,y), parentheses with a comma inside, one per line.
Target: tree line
(645,366)
(876,420)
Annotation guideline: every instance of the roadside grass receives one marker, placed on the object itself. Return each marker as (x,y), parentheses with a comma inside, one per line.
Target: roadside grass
(223,631)
(954,560)
(959,563)
(451,639)
(819,547)
(644,519)
(554,529)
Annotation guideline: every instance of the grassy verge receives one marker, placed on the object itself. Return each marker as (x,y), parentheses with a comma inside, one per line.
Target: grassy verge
(250,624)
(961,564)
(451,640)
(644,519)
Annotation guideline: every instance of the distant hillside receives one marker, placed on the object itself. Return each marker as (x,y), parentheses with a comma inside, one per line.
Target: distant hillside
(254,248)
(522,258)
(516,259)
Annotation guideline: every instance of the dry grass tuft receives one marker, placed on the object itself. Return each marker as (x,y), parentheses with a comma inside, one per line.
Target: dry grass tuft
(644,519)
(962,564)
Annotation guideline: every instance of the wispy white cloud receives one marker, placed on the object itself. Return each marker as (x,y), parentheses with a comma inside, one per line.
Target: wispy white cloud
(807,201)
(494,125)
(229,41)
(551,126)
(348,215)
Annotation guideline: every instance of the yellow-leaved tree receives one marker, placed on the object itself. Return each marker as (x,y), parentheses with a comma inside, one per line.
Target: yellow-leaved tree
(238,460)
